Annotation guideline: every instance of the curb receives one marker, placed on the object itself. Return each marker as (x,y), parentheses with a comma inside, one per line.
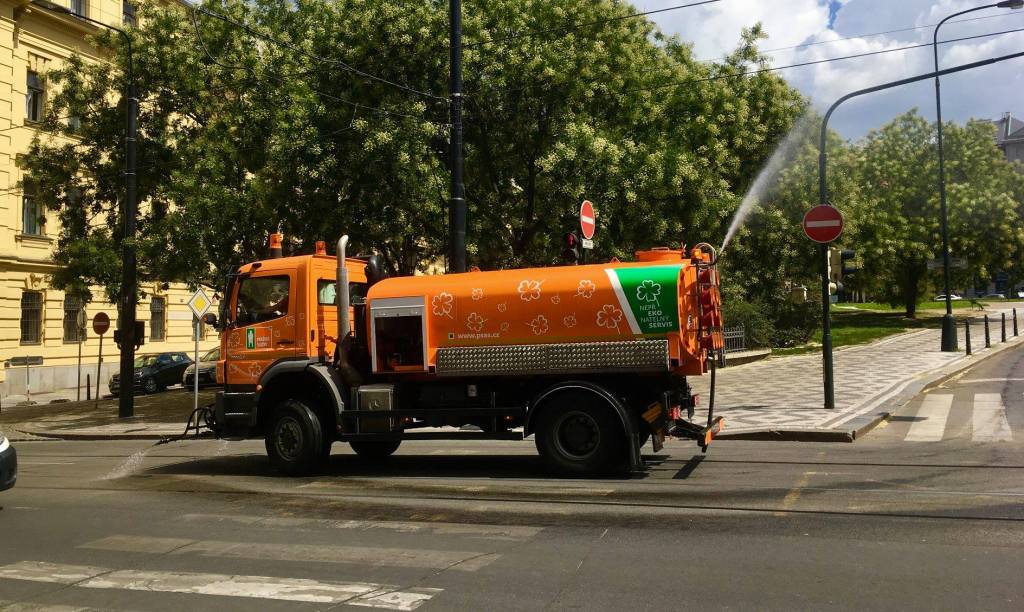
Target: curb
(95,437)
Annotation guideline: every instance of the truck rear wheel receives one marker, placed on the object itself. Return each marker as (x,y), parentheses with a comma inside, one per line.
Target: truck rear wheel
(294,440)
(375,449)
(580,435)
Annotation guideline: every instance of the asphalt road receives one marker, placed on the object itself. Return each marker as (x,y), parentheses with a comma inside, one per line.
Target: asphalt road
(926,512)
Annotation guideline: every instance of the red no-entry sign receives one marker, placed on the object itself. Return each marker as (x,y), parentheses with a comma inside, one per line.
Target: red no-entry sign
(100,323)
(823,223)
(587,220)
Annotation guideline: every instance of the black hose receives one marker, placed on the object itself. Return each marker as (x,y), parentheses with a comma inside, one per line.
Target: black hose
(201,417)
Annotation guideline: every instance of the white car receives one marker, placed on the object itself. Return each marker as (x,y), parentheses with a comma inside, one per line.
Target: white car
(952,297)
(8,464)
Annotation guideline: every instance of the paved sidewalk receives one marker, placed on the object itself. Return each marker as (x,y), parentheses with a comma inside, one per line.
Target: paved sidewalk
(782,398)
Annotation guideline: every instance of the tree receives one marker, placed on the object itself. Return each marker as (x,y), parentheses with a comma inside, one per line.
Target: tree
(240,135)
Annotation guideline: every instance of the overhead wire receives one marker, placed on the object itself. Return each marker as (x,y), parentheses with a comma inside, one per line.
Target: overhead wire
(312,56)
(285,79)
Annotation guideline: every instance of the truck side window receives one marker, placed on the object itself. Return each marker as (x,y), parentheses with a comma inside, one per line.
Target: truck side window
(262,299)
(326,292)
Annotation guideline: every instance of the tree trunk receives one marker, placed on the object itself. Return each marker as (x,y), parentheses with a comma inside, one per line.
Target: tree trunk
(912,278)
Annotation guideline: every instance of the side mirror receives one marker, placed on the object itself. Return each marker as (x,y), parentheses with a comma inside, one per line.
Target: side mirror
(210,319)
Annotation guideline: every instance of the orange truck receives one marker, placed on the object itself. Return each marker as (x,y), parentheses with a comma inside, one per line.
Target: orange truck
(591,360)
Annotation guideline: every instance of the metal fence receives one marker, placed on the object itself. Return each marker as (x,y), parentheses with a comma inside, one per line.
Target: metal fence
(735,339)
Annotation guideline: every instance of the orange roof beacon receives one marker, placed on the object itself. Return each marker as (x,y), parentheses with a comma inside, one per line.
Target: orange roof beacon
(592,360)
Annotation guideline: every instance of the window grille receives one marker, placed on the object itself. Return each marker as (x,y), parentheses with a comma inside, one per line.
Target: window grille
(31,317)
(157,319)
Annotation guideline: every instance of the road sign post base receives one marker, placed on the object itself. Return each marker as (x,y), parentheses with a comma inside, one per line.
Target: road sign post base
(949,341)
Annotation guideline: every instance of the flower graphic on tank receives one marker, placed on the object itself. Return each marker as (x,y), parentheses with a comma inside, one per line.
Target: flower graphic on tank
(529,290)
(442,304)
(556,299)
(477,295)
(539,325)
(569,320)
(475,322)
(609,316)
(504,326)
(502,307)
(648,291)
(586,289)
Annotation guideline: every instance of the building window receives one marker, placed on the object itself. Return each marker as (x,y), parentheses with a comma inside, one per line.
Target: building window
(31,214)
(127,13)
(78,7)
(34,97)
(157,319)
(31,317)
(74,319)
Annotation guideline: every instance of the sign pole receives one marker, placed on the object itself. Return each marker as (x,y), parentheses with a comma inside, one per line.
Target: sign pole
(78,387)
(99,368)
(195,365)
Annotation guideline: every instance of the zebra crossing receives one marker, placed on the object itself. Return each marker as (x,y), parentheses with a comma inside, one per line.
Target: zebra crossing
(166,565)
(987,421)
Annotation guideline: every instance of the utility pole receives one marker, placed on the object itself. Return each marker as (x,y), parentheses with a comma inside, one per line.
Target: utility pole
(457,204)
(129,283)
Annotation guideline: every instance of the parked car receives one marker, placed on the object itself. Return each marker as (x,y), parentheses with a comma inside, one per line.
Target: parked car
(994,296)
(207,370)
(8,464)
(942,298)
(154,372)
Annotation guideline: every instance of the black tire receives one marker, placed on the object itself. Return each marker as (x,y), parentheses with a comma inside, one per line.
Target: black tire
(294,440)
(150,386)
(580,434)
(375,449)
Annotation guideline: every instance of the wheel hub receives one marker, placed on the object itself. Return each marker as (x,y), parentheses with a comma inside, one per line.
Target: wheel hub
(288,439)
(577,435)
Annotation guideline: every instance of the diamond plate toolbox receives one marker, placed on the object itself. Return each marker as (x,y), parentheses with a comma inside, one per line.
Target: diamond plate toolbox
(565,358)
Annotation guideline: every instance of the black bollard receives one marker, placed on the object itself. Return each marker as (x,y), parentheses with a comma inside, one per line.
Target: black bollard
(967,335)
(88,387)
(1003,314)
(988,335)
(1015,322)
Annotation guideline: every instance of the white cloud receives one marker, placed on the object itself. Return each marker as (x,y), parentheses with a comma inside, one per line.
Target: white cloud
(986,93)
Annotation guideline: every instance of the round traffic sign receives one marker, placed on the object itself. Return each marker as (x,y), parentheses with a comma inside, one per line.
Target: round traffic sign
(100,323)
(588,222)
(823,223)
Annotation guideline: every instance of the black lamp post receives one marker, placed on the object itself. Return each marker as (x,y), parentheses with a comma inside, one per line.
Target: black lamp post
(949,341)
(126,318)
(823,193)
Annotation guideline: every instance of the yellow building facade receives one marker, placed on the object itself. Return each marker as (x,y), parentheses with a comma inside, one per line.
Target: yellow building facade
(35,319)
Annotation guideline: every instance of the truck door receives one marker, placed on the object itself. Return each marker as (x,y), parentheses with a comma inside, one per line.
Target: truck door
(265,312)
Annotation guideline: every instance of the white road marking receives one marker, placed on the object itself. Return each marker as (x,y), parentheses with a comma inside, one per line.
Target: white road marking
(365,594)
(990,424)
(322,553)
(989,380)
(933,413)
(491,532)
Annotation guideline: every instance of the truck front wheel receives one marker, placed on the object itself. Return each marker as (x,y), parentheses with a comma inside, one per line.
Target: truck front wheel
(294,440)
(375,449)
(579,435)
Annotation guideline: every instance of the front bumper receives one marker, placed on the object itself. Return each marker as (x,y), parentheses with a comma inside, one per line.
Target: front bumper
(8,466)
(114,385)
(206,378)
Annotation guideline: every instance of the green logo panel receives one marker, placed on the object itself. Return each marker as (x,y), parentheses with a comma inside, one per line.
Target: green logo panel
(250,338)
(652,293)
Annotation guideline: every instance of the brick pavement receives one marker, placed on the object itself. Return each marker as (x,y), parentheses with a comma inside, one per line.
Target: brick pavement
(785,394)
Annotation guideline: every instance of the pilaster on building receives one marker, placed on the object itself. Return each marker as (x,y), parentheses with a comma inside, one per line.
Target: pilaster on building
(37,320)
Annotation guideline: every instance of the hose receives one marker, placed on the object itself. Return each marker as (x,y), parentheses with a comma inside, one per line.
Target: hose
(201,417)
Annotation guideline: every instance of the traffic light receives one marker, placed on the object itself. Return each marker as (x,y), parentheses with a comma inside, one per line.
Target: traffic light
(571,251)
(846,266)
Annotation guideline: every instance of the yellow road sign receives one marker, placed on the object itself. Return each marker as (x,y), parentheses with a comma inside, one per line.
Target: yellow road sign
(199,303)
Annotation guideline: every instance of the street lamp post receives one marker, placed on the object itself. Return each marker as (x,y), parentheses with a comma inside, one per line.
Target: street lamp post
(126,318)
(823,183)
(949,340)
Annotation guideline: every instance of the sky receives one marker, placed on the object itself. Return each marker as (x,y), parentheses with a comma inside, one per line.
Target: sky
(834,28)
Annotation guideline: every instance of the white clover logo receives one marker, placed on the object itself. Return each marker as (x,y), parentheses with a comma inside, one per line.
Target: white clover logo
(648,291)
(569,320)
(502,307)
(504,326)
(529,290)
(442,304)
(586,289)
(556,299)
(478,294)
(539,325)
(475,322)
(609,316)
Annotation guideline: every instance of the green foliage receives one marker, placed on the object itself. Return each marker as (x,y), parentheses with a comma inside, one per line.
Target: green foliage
(238,136)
